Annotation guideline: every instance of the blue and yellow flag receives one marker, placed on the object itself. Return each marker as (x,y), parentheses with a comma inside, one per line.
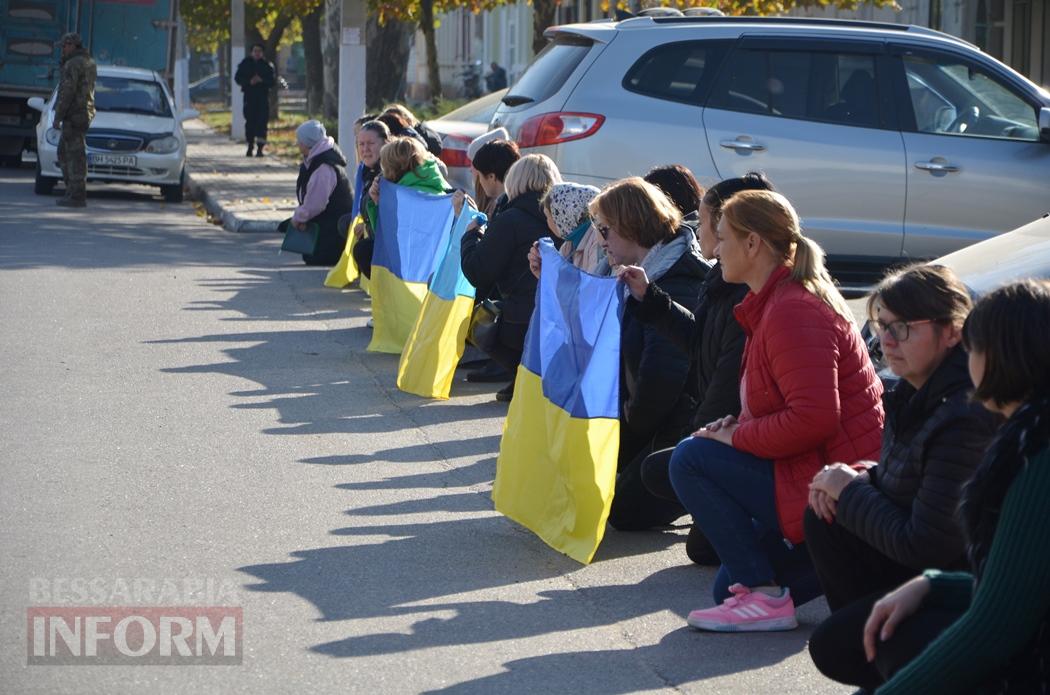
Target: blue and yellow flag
(345,270)
(557,460)
(411,228)
(436,343)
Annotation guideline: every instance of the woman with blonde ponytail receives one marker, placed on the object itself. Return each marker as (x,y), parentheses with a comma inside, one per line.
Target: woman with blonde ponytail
(809,397)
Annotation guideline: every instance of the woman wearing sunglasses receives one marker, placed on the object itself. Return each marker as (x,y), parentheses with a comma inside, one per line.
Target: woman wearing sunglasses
(869,530)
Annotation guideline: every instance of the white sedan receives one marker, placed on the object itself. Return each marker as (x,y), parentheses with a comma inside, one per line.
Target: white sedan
(136,136)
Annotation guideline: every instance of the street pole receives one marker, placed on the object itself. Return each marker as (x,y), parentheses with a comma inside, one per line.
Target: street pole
(236,56)
(352,55)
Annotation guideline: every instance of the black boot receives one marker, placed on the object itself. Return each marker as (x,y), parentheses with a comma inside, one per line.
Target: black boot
(251,146)
(259,148)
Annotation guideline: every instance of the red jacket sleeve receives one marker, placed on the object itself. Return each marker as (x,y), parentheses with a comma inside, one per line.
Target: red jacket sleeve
(801,349)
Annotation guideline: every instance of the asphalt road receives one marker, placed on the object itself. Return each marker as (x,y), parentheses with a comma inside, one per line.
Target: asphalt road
(190,419)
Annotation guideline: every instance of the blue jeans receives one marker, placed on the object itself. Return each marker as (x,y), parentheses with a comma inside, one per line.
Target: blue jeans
(732,498)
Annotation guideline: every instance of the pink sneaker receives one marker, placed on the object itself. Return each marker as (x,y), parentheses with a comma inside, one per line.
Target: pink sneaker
(748,611)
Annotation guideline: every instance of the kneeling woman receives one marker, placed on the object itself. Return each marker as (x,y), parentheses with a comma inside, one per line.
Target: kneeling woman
(869,531)
(323,191)
(369,139)
(993,622)
(639,226)
(809,396)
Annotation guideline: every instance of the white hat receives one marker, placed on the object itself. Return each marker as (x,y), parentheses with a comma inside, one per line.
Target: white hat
(310,133)
(477,143)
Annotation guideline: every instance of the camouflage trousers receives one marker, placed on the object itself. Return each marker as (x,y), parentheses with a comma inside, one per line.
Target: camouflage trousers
(72,158)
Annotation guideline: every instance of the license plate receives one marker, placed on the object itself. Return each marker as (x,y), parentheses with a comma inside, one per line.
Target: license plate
(112,160)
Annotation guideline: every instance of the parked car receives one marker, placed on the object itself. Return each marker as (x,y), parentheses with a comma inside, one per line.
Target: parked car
(1015,255)
(893,141)
(457,128)
(206,89)
(136,136)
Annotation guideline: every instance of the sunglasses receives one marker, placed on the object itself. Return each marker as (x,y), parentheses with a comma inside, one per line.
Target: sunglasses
(602,229)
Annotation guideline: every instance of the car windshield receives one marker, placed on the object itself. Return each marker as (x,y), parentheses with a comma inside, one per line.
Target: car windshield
(130,96)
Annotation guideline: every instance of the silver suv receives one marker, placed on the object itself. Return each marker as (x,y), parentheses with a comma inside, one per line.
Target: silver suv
(893,141)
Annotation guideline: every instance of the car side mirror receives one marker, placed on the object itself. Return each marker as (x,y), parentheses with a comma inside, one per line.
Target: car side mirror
(1044,123)
(38,104)
(187,114)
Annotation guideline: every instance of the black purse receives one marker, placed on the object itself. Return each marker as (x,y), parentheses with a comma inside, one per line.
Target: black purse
(483,330)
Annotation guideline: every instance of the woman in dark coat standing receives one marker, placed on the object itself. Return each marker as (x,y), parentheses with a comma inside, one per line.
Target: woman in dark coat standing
(711,338)
(498,256)
(256,77)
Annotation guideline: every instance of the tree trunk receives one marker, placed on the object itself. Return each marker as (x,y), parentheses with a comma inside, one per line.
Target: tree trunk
(333,18)
(388,46)
(311,24)
(224,74)
(542,17)
(426,23)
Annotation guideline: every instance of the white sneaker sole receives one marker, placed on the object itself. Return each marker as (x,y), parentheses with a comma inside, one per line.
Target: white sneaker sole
(771,625)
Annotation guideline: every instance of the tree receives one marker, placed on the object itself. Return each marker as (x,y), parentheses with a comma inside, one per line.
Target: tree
(267,22)
(388,46)
(333,17)
(312,54)
(424,13)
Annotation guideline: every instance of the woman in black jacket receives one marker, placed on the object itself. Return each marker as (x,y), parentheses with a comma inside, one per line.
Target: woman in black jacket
(713,341)
(497,256)
(639,226)
(369,140)
(869,530)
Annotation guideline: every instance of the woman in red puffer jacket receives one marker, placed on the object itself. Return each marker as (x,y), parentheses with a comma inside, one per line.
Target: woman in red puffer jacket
(809,397)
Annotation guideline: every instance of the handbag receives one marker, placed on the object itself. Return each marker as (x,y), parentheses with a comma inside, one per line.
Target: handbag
(299,241)
(483,330)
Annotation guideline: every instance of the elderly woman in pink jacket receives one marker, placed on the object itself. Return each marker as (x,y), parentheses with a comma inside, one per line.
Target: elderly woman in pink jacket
(323,191)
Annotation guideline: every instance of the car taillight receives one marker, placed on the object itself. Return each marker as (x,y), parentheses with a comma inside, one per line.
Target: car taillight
(553,128)
(454,150)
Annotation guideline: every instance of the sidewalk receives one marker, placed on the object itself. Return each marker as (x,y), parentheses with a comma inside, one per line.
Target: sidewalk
(248,194)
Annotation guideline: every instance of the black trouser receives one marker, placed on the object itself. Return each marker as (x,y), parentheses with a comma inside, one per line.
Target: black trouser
(256,120)
(837,645)
(362,253)
(849,568)
(509,345)
(329,247)
(644,498)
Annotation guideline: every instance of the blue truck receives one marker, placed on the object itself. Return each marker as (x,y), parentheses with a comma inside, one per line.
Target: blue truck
(133,33)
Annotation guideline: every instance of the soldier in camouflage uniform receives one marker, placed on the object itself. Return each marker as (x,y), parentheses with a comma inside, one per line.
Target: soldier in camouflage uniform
(74,110)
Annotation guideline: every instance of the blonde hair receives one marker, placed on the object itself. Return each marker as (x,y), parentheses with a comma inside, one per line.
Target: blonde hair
(533,172)
(771,217)
(639,211)
(400,156)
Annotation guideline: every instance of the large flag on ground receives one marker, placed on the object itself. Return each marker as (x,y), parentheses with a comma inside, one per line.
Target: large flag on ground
(557,460)
(411,228)
(437,341)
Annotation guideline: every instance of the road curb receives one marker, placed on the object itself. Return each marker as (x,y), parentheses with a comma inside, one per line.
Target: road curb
(231,221)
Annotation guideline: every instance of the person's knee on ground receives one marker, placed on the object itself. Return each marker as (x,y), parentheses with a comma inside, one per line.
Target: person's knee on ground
(836,647)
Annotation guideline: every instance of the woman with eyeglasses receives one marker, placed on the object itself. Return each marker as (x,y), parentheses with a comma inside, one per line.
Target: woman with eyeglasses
(809,396)
(873,526)
(987,630)
(639,226)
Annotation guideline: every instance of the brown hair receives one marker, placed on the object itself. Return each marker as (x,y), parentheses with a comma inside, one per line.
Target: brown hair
(402,111)
(923,292)
(771,217)
(1010,327)
(638,210)
(400,156)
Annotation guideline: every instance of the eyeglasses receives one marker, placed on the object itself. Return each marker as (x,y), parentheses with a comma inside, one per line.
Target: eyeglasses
(602,229)
(900,331)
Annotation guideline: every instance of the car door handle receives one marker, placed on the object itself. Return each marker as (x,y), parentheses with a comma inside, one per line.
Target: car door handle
(742,145)
(936,166)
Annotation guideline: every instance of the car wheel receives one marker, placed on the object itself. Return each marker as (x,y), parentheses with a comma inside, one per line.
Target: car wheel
(44,185)
(173,194)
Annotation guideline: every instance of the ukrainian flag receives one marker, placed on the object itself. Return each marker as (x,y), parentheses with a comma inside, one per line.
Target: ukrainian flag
(438,338)
(557,461)
(345,271)
(411,228)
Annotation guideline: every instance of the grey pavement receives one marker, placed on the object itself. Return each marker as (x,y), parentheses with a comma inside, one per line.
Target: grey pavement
(190,418)
(246,194)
